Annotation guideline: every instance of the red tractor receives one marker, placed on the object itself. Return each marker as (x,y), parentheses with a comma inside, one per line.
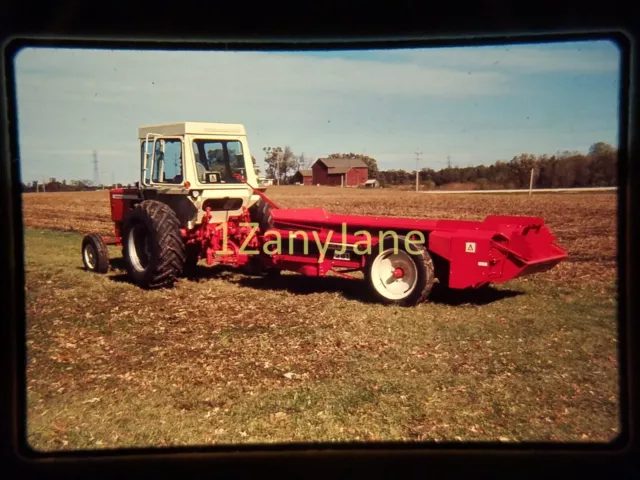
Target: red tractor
(195,200)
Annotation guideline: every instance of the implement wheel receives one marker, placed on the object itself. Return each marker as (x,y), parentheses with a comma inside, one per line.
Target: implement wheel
(95,255)
(153,248)
(399,276)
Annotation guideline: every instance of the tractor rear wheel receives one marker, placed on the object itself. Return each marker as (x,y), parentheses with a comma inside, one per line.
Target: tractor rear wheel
(399,276)
(152,245)
(260,213)
(95,255)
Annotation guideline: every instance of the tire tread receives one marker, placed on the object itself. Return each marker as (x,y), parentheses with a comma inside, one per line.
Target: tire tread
(102,260)
(165,230)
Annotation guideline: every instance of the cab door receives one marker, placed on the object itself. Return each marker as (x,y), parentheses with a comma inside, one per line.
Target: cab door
(164,178)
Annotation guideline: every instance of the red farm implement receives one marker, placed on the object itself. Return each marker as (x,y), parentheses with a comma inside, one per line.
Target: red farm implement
(206,209)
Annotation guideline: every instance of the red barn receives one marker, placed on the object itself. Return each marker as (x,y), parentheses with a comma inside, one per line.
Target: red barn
(350,172)
(304,177)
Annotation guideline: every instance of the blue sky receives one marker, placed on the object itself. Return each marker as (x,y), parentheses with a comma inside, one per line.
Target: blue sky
(474,104)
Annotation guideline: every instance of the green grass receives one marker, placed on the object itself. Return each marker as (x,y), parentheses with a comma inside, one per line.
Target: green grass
(228,358)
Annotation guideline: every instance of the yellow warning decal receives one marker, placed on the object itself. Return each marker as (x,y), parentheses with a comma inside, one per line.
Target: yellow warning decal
(470,247)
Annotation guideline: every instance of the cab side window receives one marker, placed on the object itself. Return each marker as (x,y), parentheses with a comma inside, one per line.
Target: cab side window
(167,161)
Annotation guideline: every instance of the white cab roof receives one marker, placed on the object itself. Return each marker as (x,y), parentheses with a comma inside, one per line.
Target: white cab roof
(192,128)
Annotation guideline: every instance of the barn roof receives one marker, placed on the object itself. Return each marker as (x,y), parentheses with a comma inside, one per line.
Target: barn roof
(339,170)
(306,173)
(347,163)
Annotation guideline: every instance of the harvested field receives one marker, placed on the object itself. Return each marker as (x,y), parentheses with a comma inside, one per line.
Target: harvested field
(225,358)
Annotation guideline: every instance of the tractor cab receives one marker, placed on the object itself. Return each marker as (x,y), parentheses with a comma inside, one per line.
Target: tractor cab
(194,165)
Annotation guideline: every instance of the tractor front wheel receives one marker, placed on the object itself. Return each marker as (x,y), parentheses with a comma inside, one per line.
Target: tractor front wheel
(260,213)
(399,276)
(95,255)
(152,245)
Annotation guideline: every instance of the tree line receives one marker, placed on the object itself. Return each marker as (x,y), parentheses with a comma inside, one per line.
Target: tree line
(568,169)
(597,168)
(53,185)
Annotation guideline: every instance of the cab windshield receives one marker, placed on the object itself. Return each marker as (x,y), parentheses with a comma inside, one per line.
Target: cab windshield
(223,156)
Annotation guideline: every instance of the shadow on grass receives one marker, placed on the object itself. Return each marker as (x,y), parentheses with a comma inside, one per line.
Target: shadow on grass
(302,285)
(117,263)
(195,274)
(357,289)
(483,296)
(201,272)
(121,278)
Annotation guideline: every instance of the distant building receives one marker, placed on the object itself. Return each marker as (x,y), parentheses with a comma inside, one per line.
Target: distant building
(372,183)
(348,172)
(305,177)
(265,182)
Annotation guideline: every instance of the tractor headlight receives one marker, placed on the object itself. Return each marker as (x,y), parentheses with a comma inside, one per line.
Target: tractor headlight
(195,193)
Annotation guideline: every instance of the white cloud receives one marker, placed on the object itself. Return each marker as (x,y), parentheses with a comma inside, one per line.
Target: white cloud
(519,59)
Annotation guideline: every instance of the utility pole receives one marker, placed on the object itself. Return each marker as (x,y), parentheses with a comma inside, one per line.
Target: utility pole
(278,168)
(531,181)
(448,161)
(418,153)
(96,175)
